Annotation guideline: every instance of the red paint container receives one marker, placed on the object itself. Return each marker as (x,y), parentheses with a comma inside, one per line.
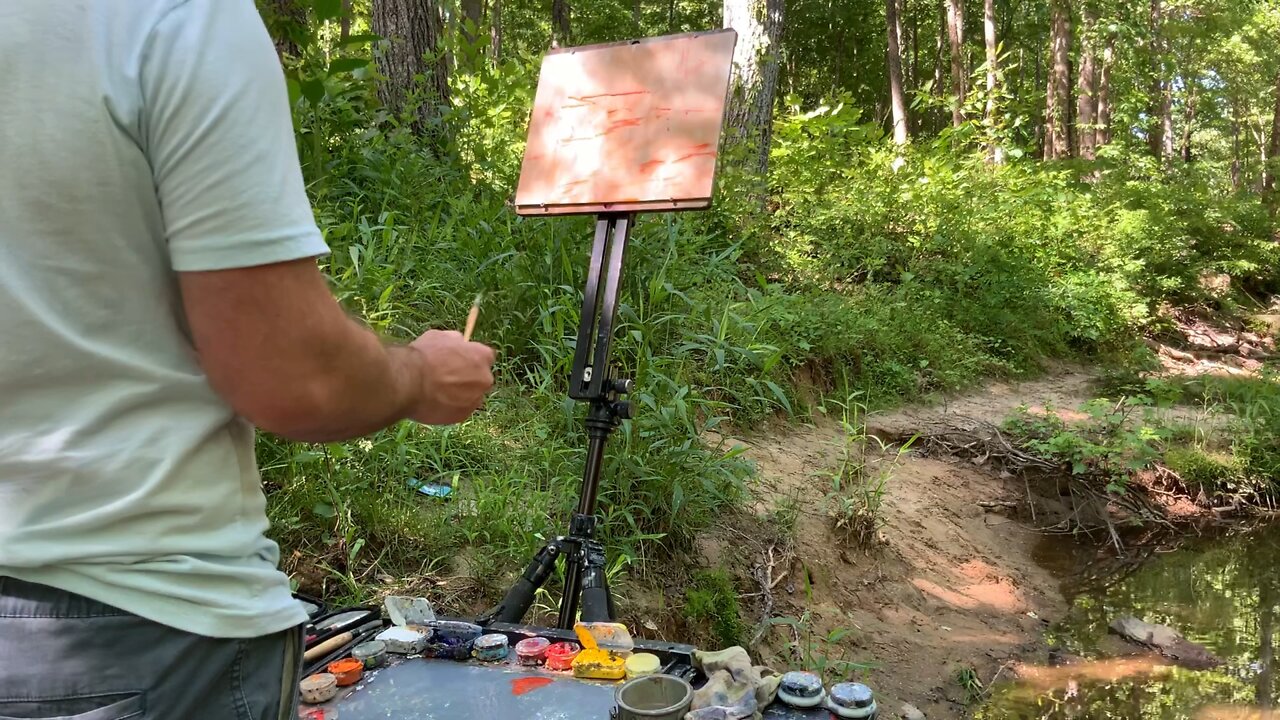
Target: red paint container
(532,651)
(560,655)
(347,671)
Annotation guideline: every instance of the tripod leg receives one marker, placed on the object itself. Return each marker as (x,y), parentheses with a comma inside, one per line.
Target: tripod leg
(597,603)
(520,597)
(572,589)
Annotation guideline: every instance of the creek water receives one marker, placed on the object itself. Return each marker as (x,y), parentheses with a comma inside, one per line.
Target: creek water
(1222,592)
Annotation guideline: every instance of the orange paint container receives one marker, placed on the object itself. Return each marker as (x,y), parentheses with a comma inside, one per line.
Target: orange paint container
(560,655)
(346,671)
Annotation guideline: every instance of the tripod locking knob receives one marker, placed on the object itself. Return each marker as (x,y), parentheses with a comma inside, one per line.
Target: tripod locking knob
(622,409)
(624,387)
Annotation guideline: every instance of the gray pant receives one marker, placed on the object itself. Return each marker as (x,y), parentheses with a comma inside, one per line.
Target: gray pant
(66,657)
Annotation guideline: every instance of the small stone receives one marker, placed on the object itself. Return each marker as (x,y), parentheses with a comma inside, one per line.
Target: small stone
(910,712)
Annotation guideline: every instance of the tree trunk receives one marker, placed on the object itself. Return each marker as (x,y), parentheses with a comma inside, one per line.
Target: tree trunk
(344,25)
(955,36)
(671,16)
(561,30)
(1103,135)
(286,17)
(1235,144)
(1189,121)
(637,14)
(893,25)
(495,31)
(472,15)
(914,33)
(1260,136)
(995,153)
(1041,128)
(1155,132)
(413,28)
(1057,143)
(1020,78)
(940,54)
(1086,86)
(755,74)
(1273,151)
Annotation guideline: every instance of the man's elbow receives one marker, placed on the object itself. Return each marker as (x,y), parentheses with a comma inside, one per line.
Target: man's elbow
(299,411)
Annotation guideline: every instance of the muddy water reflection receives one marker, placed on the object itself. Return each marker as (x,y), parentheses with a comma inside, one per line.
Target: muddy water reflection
(1222,593)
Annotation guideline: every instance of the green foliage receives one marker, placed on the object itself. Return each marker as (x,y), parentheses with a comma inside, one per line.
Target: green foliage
(826,654)
(1253,403)
(1023,261)
(711,600)
(1116,440)
(1213,472)
(860,480)
(1234,455)
(966,676)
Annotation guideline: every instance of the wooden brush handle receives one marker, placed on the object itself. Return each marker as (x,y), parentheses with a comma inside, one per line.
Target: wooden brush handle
(327,646)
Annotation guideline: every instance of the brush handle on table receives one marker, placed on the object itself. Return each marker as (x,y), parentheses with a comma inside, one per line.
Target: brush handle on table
(328,646)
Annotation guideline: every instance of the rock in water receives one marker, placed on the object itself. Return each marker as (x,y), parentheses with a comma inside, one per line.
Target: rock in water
(1167,641)
(910,712)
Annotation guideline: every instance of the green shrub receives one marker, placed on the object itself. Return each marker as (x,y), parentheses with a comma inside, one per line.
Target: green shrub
(712,600)
(1201,470)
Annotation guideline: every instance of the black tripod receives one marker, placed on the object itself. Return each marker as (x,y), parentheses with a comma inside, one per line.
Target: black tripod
(591,383)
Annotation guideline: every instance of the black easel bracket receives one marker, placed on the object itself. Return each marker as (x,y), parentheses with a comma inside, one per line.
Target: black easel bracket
(590,375)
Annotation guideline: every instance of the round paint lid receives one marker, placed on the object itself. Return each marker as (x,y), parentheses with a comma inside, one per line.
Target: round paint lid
(851,695)
(563,649)
(801,684)
(642,664)
(345,665)
(492,641)
(533,647)
(369,649)
(319,681)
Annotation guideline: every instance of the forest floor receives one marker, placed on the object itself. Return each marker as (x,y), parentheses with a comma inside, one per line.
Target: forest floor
(955,590)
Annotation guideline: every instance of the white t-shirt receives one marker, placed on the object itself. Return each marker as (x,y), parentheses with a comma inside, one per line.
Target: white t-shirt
(138,138)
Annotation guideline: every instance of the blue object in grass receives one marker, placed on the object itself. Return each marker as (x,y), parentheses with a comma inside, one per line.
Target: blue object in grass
(431,489)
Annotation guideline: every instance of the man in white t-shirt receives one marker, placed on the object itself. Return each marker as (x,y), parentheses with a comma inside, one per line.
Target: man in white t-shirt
(159,297)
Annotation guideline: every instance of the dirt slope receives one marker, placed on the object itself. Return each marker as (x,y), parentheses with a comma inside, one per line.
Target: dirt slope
(952,584)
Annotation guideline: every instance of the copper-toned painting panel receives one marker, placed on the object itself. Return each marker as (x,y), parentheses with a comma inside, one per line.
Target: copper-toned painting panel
(627,127)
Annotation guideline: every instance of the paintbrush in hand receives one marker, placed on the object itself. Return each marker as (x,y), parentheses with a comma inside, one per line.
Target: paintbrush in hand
(471,318)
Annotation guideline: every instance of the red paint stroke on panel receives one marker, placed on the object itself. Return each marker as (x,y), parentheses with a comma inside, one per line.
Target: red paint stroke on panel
(690,156)
(612,94)
(520,686)
(627,122)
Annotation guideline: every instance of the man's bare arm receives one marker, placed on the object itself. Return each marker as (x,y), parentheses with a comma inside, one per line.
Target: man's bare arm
(281,351)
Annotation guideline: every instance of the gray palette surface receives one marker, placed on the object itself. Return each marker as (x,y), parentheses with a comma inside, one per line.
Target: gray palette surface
(422,689)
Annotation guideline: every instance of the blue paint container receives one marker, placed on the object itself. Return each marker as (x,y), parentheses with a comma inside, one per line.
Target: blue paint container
(491,648)
(801,689)
(854,701)
(452,640)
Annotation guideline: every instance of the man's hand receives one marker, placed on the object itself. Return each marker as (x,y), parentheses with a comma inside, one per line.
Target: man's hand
(456,374)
